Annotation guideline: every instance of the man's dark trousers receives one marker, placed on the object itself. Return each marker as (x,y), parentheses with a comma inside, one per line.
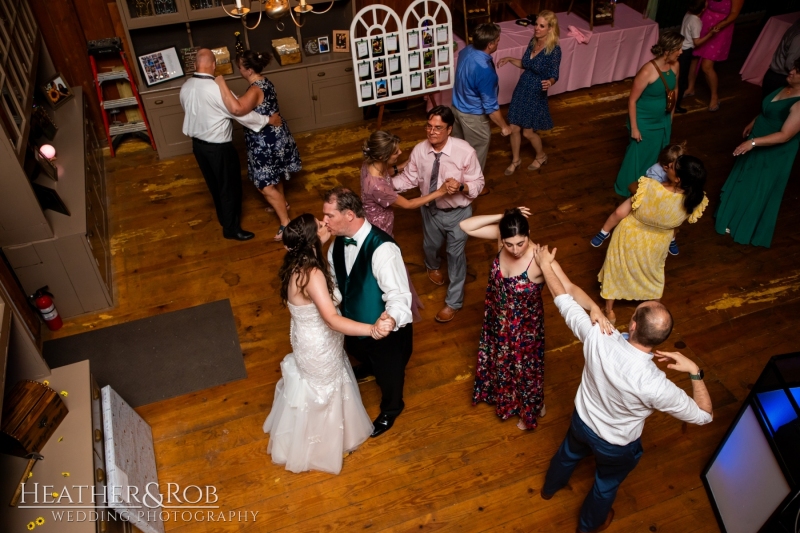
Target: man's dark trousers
(221,169)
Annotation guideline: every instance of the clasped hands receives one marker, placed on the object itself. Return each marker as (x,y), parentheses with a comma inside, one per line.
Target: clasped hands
(451,185)
(383,326)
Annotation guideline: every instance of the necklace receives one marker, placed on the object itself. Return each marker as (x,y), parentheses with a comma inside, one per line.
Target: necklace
(376,169)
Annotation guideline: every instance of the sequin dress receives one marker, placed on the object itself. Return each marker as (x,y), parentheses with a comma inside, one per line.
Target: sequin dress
(317,413)
(510,369)
(271,153)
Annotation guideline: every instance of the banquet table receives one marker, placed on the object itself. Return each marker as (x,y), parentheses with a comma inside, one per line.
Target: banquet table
(760,56)
(612,54)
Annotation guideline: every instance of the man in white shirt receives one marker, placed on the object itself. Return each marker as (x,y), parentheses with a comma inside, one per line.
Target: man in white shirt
(208,123)
(368,269)
(621,386)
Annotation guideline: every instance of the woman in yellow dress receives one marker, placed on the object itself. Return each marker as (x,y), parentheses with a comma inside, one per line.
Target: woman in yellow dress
(634,265)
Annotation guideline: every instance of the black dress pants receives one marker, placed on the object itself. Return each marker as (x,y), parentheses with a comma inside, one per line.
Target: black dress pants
(221,169)
(386,359)
(772,80)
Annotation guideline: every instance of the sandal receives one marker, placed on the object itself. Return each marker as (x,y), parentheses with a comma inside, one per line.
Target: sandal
(512,167)
(279,236)
(542,411)
(538,163)
(714,108)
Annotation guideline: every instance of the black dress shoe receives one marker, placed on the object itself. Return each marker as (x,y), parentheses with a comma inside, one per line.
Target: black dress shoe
(382,424)
(680,110)
(240,235)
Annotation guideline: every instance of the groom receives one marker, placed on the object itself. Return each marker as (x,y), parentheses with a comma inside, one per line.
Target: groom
(368,268)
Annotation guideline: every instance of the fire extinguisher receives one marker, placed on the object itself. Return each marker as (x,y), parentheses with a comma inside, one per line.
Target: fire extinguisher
(43,301)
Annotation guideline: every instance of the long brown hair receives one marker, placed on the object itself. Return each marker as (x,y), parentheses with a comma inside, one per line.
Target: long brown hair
(304,254)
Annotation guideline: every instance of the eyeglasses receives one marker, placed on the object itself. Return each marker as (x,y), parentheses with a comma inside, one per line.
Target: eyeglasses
(437,129)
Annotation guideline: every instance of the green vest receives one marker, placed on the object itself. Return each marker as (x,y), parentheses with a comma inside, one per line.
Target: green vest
(362,298)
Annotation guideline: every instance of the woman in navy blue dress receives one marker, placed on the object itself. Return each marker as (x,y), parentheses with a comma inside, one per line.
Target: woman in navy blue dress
(528,111)
(271,153)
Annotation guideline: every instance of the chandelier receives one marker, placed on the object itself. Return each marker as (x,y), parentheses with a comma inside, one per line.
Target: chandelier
(274,9)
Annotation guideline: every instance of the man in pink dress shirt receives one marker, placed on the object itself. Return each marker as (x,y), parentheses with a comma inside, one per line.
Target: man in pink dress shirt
(431,163)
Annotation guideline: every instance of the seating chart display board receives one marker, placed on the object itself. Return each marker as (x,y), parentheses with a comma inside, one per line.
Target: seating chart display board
(395,60)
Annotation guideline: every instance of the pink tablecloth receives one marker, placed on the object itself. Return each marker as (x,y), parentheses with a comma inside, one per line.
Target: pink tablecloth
(612,54)
(760,56)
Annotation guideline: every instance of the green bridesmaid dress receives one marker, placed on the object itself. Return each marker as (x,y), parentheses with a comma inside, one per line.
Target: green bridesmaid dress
(655,125)
(751,197)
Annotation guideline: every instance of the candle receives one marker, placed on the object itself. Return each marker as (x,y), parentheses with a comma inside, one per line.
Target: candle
(239,5)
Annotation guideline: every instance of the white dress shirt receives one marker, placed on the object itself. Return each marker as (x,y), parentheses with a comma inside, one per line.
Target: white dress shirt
(205,115)
(621,385)
(389,271)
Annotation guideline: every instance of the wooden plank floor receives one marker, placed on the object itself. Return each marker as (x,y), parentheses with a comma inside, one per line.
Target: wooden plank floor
(446,465)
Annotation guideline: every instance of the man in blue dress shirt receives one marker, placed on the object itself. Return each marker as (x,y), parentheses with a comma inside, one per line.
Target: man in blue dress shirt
(475,92)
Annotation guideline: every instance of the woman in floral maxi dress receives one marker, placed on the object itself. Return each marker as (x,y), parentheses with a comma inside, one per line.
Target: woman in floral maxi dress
(510,366)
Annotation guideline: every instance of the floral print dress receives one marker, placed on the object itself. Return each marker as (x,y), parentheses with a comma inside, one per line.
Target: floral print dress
(510,369)
(271,153)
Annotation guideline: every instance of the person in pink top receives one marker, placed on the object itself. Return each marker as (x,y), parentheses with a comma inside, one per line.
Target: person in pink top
(381,152)
(431,163)
(718,17)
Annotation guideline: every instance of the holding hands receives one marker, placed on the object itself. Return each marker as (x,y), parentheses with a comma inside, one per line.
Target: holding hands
(383,326)
(452,185)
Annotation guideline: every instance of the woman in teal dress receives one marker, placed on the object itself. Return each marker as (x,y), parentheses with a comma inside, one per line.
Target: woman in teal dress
(649,121)
(751,197)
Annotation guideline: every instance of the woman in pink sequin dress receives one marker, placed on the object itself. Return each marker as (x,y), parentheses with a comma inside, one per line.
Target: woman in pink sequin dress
(718,17)
(381,151)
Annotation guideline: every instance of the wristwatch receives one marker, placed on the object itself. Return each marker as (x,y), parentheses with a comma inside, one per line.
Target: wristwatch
(461,188)
(396,172)
(697,377)
(753,143)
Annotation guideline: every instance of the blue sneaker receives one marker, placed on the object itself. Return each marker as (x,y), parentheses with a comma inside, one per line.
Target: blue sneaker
(673,247)
(598,239)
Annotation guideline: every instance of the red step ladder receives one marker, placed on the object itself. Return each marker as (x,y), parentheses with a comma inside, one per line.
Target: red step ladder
(117,131)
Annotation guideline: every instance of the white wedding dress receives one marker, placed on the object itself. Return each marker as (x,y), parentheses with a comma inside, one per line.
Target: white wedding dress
(317,414)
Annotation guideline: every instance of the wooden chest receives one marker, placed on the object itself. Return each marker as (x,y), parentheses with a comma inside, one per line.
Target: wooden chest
(31,413)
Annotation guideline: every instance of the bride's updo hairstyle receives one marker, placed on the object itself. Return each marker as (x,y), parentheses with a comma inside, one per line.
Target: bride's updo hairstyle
(513,223)
(304,253)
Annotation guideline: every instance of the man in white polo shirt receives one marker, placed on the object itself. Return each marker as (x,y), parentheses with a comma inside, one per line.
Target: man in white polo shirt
(621,386)
(208,123)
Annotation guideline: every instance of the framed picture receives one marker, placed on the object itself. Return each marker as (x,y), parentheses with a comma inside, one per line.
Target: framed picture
(311,46)
(362,49)
(49,199)
(381,89)
(392,44)
(377,46)
(324,45)
(379,68)
(427,58)
(161,66)
(394,65)
(430,79)
(412,38)
(341,40)
(56,91)
(364,71)
(190,59)
(427,38)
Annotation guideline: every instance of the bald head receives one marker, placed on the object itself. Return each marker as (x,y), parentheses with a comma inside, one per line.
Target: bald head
(650,324)
(205,62)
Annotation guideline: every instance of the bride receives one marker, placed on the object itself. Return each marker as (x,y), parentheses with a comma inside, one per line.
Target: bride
(317,414)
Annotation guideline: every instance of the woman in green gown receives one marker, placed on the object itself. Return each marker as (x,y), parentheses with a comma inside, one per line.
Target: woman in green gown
(649,122)
(751,197)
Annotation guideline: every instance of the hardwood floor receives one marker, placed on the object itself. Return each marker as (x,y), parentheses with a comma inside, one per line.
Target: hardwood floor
(446,465)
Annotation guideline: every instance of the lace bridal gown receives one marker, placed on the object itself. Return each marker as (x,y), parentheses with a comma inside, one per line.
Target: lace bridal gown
(317,414)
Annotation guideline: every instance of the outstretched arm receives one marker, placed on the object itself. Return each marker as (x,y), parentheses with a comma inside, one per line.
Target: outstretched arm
(583,299)
(404,203)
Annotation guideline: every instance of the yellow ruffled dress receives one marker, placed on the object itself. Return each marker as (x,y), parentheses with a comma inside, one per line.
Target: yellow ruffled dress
(634,265)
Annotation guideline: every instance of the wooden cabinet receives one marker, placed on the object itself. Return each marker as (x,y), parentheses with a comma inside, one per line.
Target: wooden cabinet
(318,92)
(68,253)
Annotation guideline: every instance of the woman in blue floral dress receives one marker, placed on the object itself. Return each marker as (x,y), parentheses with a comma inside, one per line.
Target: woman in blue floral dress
(528,111)
(271,153)
(510,368)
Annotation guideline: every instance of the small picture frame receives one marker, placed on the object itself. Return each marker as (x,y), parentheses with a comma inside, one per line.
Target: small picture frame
(366,91)
(395,65)
(362,49)
(412,39)
(381,89)
(364,71)
(377,46)
(430,79)
(161,66)
(56,91)
(427,38)
(341,40)
(324,44)
(414,61)
(427,59)
(379,68)
(311,46)
(392,43)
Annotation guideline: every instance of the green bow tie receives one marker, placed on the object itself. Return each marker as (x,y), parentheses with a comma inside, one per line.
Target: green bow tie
(348,241)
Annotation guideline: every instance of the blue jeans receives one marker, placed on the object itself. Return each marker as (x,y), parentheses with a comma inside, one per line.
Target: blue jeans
(614,463)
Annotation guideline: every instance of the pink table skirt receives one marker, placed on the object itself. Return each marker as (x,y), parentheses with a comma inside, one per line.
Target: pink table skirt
(612,54)
(760,56)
